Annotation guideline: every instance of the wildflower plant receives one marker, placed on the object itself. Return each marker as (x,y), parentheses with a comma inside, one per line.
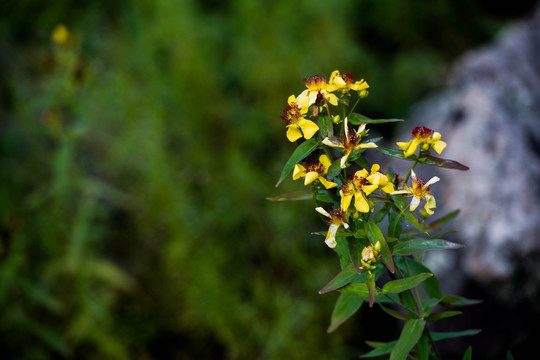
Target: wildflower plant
(373,227)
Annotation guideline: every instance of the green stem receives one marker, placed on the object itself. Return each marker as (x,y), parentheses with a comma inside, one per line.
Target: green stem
(352,109)
(410,170)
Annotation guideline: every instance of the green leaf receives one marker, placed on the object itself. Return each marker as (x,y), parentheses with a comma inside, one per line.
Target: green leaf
(445,163)
(415,246)
(438,336)
(343,278)
(300,153)
(397,314)
(346,306)
(407,340)
(374,234)
(445,219)
(400,201)
(413,221)
(334,169)
(372,289)
(383,349)
(468,354)
(356,289)
(325,196)
(431,285)
(458,301)
(395,153)
(442,315)
(357,119)
(294,196)
(509,356)
(355,252)
(395,224)
(326,126)
(400,285)
(342,249)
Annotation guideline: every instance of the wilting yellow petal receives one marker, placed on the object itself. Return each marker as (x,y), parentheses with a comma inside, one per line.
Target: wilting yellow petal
(323,212)
(414,203)
(430,204)
(332,99)
(309,128)
(331,236)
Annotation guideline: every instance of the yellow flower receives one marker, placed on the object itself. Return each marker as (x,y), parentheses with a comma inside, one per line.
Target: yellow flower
(420,191)
(370,256)
(358,187)
(297,125)
(381,180)
(312,171)
(337,218)
(425,138)
(316,92)
(350,142)
(345,82)
(60,34)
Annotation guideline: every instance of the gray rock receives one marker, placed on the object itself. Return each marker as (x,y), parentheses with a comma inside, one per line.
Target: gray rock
(489,114)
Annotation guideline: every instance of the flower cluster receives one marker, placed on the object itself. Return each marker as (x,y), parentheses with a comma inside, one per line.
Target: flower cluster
(341,150)
(365,206)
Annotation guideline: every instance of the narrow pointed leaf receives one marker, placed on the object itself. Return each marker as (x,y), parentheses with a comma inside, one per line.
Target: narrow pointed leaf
(437,336)
(372,289)
(468,354)
(400,285)
(294,196)
(334,170)
(431,285)
(442,315)
(300,153)
(343,278)
(407,340)
(411,219)
(357,289)
(415,246)
(445,163)
(374,234)
(458,301)
(355,252)
(357,119)
(346,306)
(380,350)
(445,219)
(395,153)
(397,314)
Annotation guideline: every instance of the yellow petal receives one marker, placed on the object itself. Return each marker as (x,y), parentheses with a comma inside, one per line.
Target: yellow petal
(309,128)
(368,189)
(291,100)
(323,212)
(332,99)
(303,99)
(299,171)
(311,177)
(439,146)
(327,184)
(344,159)
(360,203)
(412,147)
(388,188)
(325,161)
(404,145)
(375,168)
(293,133)
(345,201)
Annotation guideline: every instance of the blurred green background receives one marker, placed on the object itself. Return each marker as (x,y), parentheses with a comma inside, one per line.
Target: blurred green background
(136,159)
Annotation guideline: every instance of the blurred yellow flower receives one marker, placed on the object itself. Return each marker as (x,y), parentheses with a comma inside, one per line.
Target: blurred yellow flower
(380,179)
(60,34)
(297,125)
(370,256)
(345,82)
(350,143)
(424,137)
(316,92)
(420,191)
(336,219)
(314,170)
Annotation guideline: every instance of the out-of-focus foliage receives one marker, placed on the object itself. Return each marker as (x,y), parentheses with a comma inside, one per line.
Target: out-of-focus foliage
(135,162)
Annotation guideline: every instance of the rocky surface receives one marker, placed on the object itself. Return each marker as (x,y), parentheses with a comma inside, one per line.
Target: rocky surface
(489,114)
